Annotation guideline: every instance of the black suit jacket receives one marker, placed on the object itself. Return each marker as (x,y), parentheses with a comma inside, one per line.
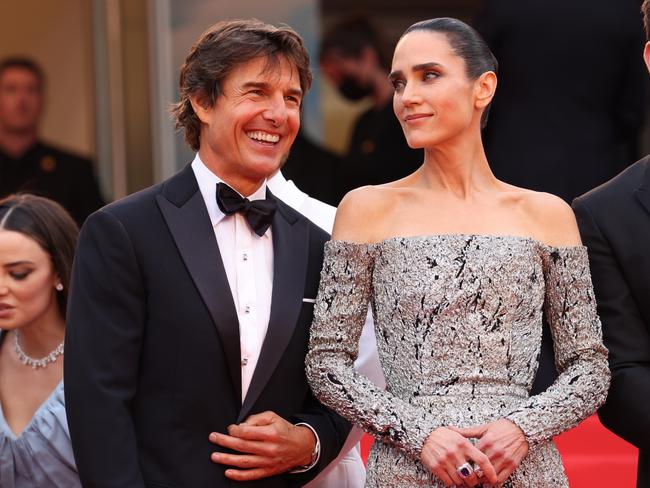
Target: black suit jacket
(569,106)
(614,222)
(152,343)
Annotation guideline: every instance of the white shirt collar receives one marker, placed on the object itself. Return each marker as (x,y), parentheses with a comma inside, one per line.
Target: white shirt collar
(207,181)
(287,191)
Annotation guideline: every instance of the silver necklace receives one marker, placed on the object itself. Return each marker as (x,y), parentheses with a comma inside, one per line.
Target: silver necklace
(36,363)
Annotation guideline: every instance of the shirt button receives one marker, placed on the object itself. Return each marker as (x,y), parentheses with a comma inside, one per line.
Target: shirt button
(244,256)
(244,361)
(247,309)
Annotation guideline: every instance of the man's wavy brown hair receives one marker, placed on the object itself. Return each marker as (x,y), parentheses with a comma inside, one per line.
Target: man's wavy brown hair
(220,50)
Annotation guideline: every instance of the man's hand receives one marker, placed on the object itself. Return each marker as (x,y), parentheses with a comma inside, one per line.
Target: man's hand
(268,444)
(502,442)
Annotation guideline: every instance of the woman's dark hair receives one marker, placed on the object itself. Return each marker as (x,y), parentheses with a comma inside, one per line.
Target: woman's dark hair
(220,50)
(466,43)
(47,223)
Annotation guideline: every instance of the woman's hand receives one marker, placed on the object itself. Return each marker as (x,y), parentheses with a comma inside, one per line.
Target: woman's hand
(445,450)
(502,442)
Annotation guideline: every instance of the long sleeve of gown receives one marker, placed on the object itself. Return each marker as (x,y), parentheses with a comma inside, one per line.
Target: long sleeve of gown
(344,294)
(580,357)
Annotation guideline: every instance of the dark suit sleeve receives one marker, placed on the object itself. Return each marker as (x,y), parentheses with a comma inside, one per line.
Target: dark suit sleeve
(625,335)
(105,324)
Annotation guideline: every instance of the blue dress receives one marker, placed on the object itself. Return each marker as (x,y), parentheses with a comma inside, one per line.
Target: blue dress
(41,456)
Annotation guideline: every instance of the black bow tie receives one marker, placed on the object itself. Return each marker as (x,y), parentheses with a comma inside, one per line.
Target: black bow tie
(258,213)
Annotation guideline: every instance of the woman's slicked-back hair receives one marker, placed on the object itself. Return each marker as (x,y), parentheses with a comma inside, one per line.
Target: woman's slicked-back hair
(47,223)
(466,43)
(219,50)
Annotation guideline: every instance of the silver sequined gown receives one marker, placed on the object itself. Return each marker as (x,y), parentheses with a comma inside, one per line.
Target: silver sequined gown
(458,323)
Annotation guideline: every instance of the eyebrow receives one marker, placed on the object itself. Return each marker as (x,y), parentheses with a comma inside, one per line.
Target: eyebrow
(17,263)
(417,67)
(266,86)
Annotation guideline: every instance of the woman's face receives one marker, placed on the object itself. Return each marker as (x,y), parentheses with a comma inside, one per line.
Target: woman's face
(434,99)
(27,281)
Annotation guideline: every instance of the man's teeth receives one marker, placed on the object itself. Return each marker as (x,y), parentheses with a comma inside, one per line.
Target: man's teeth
(263,136)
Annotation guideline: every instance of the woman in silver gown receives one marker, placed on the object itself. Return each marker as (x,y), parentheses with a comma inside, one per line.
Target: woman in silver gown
(458,268)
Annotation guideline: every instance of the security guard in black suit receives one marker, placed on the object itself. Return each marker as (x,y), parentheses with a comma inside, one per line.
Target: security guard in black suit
(29,165)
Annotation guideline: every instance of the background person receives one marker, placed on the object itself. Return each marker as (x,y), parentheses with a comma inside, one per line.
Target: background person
(27,164)
(353,57)
(37,242)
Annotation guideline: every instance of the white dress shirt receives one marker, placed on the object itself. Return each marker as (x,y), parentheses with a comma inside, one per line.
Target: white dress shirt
(347,470)
(248,261)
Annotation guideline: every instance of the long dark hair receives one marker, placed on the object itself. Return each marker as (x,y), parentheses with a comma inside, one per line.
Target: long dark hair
(466,43)
(47,223)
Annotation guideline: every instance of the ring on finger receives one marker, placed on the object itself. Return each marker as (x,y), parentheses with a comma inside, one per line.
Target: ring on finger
(465,470)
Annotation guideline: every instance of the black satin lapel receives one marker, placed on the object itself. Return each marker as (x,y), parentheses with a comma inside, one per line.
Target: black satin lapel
(290,257)
(190,226)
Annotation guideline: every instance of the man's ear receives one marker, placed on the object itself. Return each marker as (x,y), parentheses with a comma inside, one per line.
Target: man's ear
(484,88)
(646,55)
(200,106)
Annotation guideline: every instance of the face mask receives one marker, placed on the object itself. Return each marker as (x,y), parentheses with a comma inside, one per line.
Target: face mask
(352,90)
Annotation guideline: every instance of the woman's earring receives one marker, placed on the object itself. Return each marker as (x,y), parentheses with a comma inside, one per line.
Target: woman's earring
(59,287)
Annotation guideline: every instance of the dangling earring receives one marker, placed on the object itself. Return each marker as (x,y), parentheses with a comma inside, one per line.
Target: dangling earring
(59,287)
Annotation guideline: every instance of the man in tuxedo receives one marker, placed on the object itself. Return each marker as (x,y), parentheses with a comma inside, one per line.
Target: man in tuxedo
(189,315)
(614,221)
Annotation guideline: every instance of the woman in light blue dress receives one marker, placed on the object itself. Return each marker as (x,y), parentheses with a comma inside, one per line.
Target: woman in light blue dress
(37,242)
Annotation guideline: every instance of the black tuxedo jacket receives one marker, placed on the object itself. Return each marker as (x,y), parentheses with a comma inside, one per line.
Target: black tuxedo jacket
(152,343)
(614,222)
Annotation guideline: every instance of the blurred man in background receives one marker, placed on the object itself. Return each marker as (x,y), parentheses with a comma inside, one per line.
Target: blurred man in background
(352,56)
(26,163)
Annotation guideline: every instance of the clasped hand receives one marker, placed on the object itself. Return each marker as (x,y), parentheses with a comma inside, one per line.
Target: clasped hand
(267,445)
(500,447)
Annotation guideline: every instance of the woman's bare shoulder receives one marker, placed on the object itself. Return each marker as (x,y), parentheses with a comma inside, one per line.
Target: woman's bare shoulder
(551,218)
(361,213)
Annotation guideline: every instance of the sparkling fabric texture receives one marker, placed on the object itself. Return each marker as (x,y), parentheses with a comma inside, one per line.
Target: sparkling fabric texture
(458,321)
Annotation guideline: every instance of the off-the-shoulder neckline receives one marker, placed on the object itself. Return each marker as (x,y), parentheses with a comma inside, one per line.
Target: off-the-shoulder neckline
(419,237)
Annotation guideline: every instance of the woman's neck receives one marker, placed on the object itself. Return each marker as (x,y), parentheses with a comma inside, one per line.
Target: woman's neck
(42,336)
(459,167)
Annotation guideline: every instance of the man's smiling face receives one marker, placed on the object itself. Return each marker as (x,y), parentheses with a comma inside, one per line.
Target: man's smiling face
(249,131)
